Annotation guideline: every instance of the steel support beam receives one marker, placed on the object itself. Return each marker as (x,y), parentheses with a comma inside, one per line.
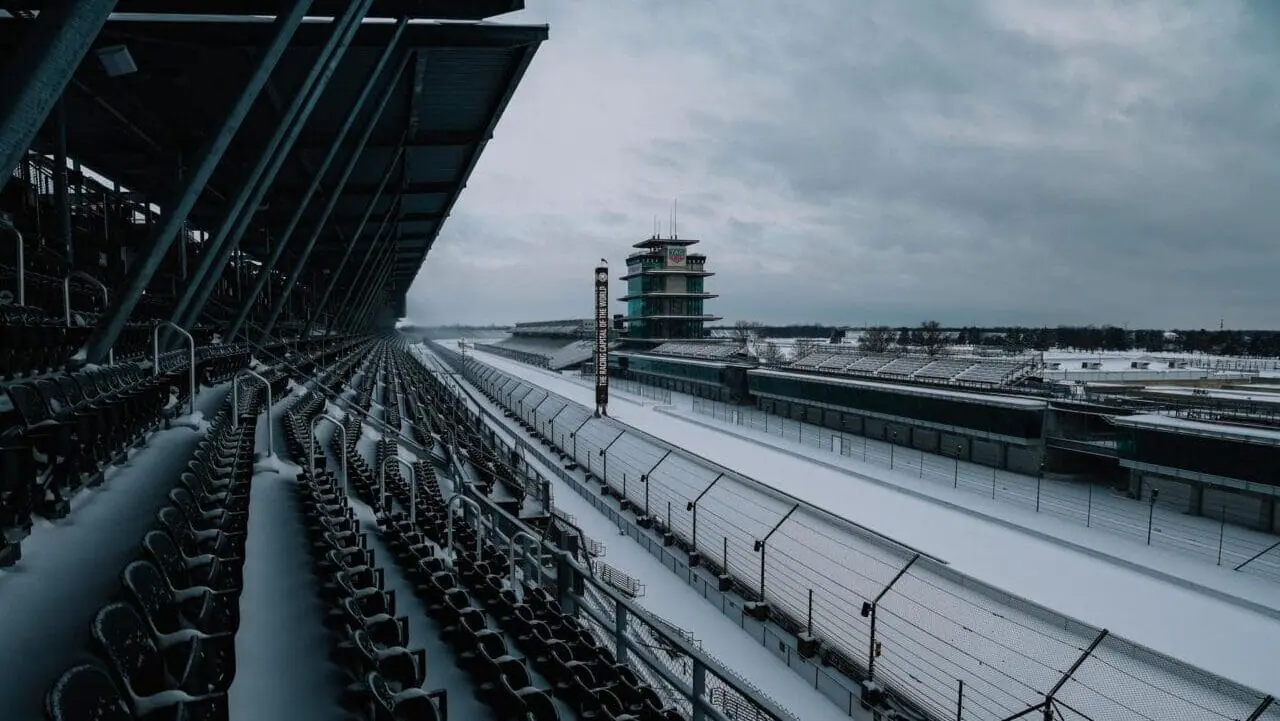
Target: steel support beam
(335,193)
(246,305)
(367,287)
(226,239)
(377,275)
(369,284)
(346,254)
(371,251)
(60,182)
(36,75)
(361,316)
(175,211)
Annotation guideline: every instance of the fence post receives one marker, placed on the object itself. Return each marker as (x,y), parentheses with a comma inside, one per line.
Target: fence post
(1038,480)
(1049,702)
(1258,555)
(869,609)
(960,701)
(922,463)
(1262,708)
(808,626)
(1222,530)
(993,483)
(1088,514)
(760,545)
(1151,514)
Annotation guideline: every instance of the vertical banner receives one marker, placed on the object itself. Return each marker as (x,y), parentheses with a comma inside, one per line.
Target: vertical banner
(602,339)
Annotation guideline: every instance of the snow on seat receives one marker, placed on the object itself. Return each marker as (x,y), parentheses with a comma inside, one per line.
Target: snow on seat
(139,666)
(944,368)
(904,366)
(86,693)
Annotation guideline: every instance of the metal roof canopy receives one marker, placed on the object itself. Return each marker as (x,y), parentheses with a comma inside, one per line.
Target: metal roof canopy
(136,128)
(430,9)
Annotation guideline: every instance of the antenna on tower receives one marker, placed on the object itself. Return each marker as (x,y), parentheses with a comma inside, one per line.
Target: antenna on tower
(675,218)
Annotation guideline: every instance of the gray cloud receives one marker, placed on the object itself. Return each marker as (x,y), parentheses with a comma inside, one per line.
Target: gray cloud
(1002,161)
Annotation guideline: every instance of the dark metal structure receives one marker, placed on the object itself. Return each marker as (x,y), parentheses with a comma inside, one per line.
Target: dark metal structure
(294,161)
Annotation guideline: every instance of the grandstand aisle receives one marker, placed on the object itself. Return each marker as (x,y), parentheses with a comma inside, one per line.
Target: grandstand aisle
(1080,585)
(424,630)
(674,602)
(282,667)
(72,566)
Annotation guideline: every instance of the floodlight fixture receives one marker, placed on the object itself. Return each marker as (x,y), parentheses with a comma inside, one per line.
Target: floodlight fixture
(117,60)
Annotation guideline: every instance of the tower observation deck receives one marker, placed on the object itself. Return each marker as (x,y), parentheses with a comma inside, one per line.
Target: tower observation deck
(666,290)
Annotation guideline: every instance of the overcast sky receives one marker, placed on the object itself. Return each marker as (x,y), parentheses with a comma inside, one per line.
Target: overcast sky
(883,161)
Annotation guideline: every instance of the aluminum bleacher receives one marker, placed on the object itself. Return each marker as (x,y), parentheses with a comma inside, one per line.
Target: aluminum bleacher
(694,349)
(555,328)
(950,370)
(904,366)
(944,369)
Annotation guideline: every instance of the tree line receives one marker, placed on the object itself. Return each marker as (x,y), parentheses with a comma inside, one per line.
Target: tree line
(932,338)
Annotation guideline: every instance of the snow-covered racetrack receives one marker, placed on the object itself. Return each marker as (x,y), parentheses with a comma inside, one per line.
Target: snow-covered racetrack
(1206,632)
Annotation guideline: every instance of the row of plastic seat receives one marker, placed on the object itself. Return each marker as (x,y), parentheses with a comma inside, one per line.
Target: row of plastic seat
(168,650)
(34,341)
(501,679)
(384,678)
(59,434)
(584,672)
(473,589)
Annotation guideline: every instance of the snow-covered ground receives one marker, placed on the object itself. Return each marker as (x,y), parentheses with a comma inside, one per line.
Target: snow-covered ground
(1205,631)
(282,647)
(1072,511)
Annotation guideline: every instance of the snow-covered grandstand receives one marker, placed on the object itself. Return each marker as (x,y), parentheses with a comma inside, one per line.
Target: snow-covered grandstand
(553,344)
(953,370)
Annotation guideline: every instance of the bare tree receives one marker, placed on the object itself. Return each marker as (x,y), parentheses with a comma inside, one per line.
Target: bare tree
(770,354)
(931,337)
(876,339)
(804,346)
(744,332)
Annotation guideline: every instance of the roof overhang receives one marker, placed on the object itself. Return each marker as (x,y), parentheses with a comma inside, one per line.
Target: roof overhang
(140,129)
(427,9)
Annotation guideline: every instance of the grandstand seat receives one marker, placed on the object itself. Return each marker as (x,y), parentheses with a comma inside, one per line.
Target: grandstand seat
(400,667)
(86,693)
(406,705)
(186,574)
(17,482)
(53,443)
(167,614)
(143,671)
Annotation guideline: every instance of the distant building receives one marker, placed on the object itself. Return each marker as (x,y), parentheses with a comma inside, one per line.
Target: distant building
(665,291)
